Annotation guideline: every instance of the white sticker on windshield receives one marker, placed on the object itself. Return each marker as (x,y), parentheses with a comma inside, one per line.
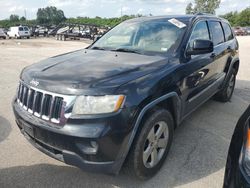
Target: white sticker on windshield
(177,23)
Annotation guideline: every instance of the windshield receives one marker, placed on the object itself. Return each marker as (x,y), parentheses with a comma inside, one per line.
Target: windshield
(26,29)
(149,36)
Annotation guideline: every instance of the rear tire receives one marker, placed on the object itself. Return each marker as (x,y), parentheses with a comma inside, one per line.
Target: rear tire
(226,93)
(151,145)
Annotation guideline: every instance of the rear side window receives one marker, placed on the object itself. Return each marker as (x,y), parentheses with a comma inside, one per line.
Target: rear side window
(20,28)
(228,32)
(200,31)
(216,32)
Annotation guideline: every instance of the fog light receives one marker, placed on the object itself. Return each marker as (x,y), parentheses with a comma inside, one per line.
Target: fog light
(88,148)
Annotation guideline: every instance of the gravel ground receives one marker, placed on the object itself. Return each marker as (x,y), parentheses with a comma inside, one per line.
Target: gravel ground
(197,157)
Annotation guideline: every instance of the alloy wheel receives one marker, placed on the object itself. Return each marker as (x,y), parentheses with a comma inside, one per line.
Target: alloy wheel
(155,144)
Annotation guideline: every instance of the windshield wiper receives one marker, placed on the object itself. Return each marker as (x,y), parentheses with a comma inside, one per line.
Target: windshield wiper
(97,48)
(126,50)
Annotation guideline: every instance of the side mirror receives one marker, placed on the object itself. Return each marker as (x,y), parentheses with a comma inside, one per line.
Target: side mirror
(201,47)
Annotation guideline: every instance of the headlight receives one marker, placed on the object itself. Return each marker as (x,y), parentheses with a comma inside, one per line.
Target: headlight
(86,105)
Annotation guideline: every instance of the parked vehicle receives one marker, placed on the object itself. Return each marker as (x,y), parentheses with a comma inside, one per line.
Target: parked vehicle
(2,34)
(41,31)
(239,31)
(247,29)
(19,32)
(76,31)
(123,96)
(237,173)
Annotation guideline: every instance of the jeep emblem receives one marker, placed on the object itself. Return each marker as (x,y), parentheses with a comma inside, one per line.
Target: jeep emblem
(34,82)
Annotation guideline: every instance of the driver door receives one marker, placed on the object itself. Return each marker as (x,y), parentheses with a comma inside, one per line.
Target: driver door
(197,87)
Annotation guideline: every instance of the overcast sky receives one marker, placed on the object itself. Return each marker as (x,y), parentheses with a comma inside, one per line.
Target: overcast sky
(109,8)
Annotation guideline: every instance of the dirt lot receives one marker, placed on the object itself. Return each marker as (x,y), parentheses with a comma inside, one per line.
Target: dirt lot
(197,158)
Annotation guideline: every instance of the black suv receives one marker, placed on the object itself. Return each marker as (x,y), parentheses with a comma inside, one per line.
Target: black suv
(123,96)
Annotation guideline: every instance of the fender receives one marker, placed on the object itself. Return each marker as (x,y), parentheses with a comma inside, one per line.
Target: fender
(234,60)
(138,121)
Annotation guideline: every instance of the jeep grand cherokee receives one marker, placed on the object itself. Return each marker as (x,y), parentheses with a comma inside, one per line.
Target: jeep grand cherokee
(123,96)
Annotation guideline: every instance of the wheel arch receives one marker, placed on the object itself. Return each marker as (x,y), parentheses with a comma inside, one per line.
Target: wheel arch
(234,64)
(170,101)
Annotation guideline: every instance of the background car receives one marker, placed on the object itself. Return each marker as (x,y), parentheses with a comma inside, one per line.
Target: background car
(237,172)
(2,34)
(19,32)
(41,31)
(239,31)
(247,29)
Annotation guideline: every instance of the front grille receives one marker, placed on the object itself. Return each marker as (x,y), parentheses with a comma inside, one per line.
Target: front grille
(44,105)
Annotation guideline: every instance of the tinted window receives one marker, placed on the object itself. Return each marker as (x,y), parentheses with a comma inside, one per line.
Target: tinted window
(20,28)
(200,31)
(216,32)
(227,31)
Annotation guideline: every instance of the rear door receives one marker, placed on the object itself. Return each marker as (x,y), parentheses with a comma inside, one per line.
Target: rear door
(230,45)
(220,53)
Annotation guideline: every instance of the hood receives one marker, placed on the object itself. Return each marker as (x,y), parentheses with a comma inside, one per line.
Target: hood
(89,71)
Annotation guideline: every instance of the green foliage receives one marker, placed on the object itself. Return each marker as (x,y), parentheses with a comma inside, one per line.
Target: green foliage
(22,19)
(189,9)
(243,19)
(8,23)
(98,21)
(203,6)
(50,15)
(238,18)
(14,18)
(231,17)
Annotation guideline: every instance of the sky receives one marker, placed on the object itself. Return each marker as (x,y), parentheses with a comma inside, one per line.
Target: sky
(109,8)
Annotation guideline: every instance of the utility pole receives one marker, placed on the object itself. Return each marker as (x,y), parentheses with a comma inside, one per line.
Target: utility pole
(25,14)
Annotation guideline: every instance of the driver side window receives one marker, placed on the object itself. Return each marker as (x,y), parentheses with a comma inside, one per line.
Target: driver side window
(200,31)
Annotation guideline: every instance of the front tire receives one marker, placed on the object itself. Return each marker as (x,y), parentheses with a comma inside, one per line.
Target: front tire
(151,144)
(226,93)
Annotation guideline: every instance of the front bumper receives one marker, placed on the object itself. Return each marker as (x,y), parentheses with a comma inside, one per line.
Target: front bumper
(95,145)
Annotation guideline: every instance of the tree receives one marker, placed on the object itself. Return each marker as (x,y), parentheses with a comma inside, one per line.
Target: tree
(50,15)
(243,19)
(189,8)
(22,19)
(14,18)
(203,6)
(232,17)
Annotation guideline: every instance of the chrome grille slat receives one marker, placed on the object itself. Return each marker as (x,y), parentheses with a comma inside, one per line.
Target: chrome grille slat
(24,96)
(52,106)
(28,98)
(34,102)
(42,106)
(45,105)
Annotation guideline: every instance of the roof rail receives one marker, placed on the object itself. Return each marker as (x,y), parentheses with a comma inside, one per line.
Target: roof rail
(203,13)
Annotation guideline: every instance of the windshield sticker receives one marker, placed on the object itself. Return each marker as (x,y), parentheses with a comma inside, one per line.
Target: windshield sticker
(177,23)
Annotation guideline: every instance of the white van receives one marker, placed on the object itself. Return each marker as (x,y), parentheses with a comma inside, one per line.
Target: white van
(19,32)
